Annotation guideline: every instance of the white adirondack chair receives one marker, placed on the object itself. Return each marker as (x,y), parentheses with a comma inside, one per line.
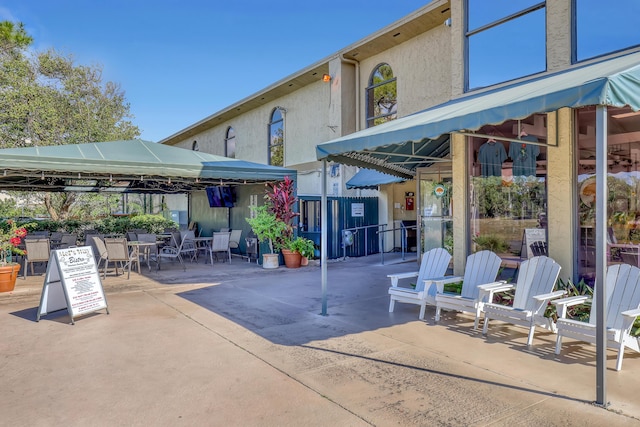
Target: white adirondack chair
(434,265)
(537,277)
(623,307)
(481,269)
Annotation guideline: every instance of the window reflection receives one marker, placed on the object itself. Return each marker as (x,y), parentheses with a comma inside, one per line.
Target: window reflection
(508,184)
(505,43)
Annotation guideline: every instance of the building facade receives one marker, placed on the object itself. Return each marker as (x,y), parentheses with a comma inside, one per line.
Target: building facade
(500,185)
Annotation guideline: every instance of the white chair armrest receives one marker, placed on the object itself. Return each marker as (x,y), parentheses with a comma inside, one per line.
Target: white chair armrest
(499,286)
(631,313)
(488,289)
(440,282)
(563,303)
(549,296)
(395,277)
(629,317)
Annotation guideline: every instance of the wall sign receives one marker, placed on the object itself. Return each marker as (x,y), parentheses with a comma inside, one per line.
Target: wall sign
(357,209)
(72,281)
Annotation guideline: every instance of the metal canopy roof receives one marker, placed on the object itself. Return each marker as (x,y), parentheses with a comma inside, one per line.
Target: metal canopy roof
(133,166)
(400,146)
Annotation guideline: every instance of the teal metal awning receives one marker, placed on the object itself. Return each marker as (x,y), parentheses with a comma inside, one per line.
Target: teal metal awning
(371,179)
(132,166)
(400,146)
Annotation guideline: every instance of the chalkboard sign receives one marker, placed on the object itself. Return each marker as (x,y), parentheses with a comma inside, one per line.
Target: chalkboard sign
(530,235)
(73,282)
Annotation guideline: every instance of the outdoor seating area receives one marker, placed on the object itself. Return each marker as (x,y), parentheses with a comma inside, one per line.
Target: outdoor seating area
(359,336)
(524,302)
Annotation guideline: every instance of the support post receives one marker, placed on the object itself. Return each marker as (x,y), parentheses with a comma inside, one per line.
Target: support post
(601,258)
(323,237)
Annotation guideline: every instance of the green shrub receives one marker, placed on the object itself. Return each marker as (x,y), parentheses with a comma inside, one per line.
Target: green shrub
(491,242)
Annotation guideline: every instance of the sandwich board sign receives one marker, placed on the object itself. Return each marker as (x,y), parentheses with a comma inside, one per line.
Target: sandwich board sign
(72,281)
(530,235)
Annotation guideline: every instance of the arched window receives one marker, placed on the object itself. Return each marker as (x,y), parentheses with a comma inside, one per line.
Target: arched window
(382,102)
(230,143)
(194,146)
(276,137)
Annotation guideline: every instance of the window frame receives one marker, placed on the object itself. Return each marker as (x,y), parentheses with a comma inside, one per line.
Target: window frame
(280,122)
(227,139)
(370,119)
(493,24)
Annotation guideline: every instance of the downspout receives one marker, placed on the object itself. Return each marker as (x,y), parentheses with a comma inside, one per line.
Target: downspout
(356,64)
(357,91)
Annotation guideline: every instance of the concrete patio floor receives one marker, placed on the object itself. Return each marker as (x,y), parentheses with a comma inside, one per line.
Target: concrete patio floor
(236,345)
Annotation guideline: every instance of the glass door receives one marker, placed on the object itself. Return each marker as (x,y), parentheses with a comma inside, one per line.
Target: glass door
(434,213)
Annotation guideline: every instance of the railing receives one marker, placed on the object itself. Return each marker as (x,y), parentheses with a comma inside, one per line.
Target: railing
(382,230)
(355,230)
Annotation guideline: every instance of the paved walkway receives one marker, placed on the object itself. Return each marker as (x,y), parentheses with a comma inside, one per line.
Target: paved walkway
(236,345)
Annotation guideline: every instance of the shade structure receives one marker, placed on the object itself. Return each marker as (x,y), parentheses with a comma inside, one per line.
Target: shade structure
(400,146)
(132,166)
(371,179)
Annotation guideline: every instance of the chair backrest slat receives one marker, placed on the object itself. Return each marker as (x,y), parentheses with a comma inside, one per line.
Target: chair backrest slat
(481,267)
(434,264)
(536,276)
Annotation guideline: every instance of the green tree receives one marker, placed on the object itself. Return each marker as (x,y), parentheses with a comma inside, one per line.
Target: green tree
(47,99)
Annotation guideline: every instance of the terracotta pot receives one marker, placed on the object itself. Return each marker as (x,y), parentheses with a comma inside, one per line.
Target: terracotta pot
(8,275)
(304,261)
(291,259)
(270,261)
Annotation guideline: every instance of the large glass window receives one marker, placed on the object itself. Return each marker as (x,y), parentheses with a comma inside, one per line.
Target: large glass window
(603,27)
(508,188)
(230,143)
(276,138)
(382,102)
(505,40)
(623,184)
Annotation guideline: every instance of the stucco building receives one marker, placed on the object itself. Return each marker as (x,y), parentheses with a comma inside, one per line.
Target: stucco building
(504,175)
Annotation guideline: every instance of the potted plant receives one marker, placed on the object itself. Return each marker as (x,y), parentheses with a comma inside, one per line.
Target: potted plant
(268,228)
(305,247)
(10,238)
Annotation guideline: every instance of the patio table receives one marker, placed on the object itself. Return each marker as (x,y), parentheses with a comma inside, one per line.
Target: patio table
(144,249)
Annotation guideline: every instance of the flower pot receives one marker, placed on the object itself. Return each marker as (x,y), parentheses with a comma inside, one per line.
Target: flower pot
(304,261)
(8,275)
(270,261)
(291,259)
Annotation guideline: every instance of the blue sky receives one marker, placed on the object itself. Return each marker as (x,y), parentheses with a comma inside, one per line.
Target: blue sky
(181,61)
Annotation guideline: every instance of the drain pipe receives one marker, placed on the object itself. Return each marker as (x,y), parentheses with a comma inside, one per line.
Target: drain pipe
(357,85)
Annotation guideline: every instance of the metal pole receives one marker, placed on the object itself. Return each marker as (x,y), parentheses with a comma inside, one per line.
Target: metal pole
(381,243)
(323,237)
(601,260)
(366,237)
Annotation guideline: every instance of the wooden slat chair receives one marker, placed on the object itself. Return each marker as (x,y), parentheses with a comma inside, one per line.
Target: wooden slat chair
(434,265)
(537,277)
(622,309)
(481,269)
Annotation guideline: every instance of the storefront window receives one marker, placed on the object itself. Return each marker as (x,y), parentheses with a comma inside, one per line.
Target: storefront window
(508,188)
(623,184)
